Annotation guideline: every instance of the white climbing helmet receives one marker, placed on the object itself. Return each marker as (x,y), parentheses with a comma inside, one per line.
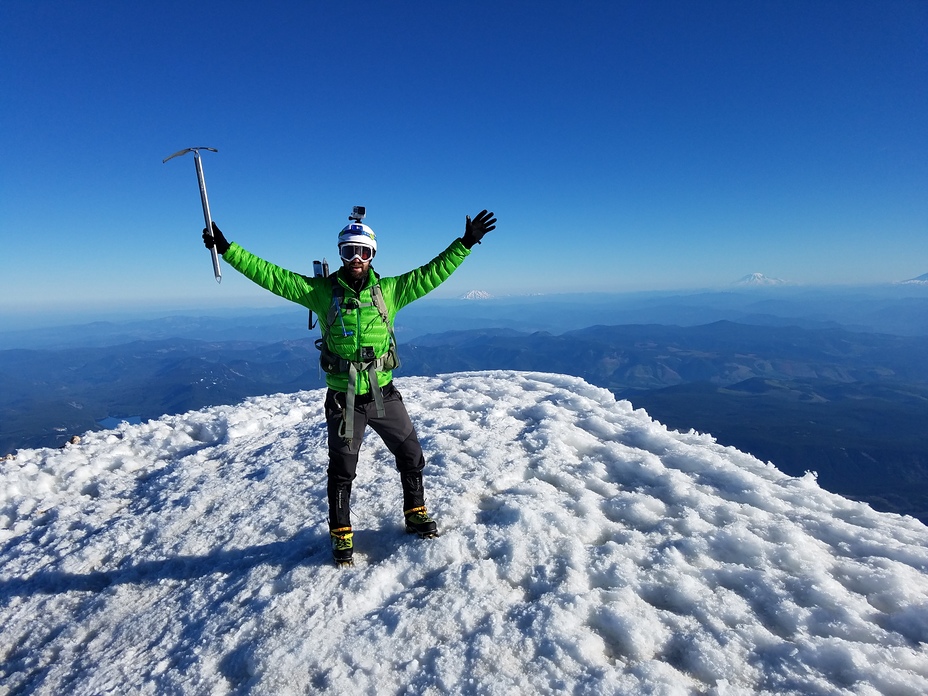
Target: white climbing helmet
(357,233)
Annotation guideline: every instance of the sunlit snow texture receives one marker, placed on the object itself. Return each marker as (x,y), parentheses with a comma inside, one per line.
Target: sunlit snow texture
(585,550)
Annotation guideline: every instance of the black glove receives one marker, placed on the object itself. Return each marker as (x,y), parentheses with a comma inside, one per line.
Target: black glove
(475,229)
(217,238)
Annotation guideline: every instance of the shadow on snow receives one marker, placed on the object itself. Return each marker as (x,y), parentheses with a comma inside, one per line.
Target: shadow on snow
(308,547)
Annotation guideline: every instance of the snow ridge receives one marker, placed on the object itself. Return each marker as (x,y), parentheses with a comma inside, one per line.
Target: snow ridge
(586,549)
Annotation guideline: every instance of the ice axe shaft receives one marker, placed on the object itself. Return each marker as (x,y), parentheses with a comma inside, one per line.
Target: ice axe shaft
(203,199)
(206,216)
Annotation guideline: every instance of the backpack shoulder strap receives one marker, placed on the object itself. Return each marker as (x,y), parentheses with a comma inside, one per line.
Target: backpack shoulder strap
(338,296)
(377,298)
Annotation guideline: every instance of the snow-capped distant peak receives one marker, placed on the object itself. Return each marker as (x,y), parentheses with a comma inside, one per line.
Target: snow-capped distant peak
(759,279)
(921,280)
(477,295)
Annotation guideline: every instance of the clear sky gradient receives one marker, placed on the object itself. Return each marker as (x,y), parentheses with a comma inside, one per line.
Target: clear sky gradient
(623,145)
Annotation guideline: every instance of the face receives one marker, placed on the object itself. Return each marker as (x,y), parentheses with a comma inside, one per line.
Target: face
(355,266)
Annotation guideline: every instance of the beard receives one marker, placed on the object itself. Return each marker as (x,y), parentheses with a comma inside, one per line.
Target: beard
(356,271)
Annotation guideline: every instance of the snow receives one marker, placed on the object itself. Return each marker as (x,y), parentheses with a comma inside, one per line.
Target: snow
(921,280)
(759,279)
(476,295)
(586,549)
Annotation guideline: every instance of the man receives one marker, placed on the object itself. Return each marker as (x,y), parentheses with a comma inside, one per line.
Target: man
(356,309)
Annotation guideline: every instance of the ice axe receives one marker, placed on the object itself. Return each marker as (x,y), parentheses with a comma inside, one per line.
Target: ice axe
(206,216)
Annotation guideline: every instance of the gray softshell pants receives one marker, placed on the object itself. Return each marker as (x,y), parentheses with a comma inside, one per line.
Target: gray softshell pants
(398,434)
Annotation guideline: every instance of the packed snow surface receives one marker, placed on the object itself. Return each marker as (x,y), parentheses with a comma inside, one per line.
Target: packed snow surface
(586,549)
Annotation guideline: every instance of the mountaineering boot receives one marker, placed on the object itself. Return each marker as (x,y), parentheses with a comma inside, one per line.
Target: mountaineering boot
(339,494)
(342,546)
(419,522)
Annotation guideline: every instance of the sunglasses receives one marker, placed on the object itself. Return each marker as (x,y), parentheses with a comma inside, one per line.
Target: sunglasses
(349,252)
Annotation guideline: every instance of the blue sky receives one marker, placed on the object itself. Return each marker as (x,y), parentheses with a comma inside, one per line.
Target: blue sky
(624,146)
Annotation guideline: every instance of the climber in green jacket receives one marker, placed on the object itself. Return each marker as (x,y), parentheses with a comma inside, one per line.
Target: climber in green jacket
(356,308)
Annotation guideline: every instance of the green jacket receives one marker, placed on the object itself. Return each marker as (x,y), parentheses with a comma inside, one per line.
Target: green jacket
(362,327)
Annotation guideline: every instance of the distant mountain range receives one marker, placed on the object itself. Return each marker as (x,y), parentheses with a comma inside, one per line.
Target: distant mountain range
(892,308)
(761,280)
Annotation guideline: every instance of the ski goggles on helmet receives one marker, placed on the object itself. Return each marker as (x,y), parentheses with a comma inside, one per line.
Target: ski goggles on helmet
(350,252)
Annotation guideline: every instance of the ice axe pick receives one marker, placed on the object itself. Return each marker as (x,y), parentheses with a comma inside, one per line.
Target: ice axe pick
(203,199)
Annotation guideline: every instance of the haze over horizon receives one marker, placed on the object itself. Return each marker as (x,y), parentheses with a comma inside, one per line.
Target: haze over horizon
(623,146)
(790,301)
